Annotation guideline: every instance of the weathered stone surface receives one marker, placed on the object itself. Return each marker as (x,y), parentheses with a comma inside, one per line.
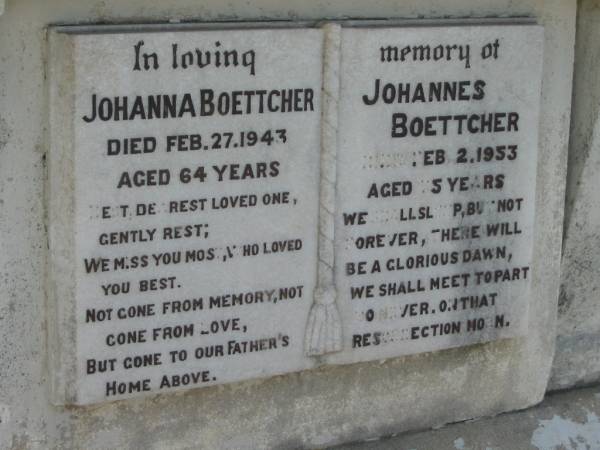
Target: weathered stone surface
(565,420)
(577,359)
(183,245)
(436,186)
(309,409)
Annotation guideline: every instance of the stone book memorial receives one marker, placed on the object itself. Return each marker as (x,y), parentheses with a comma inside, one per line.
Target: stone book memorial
(192,191)
(436,186)
(229,204)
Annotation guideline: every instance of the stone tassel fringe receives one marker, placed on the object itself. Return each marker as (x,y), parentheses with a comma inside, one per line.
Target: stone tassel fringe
(324,328)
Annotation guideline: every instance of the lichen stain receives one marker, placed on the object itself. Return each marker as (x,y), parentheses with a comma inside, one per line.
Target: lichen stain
(4,133)
(564,301)
(566,434)
(20,442)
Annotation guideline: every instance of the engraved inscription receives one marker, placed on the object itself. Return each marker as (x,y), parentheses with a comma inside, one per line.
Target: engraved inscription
(196,191)
(247,203)
(436,185)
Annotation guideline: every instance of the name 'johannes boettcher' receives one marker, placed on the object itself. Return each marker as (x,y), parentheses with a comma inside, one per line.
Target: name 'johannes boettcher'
(206,103)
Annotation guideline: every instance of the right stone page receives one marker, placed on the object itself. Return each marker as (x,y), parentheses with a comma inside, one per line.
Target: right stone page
(436,173)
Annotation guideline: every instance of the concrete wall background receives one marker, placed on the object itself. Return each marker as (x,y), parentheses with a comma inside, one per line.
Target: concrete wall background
(577,358)
(309,409)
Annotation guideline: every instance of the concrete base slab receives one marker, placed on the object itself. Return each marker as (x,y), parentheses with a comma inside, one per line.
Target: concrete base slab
(567,420)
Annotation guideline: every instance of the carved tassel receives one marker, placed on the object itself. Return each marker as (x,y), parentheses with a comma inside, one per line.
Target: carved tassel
(324,328)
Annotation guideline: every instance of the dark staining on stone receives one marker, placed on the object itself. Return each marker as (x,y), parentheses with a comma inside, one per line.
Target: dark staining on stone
(4,133)
(564,300)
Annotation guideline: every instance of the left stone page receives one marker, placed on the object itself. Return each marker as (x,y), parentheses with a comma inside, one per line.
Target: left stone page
(184,176)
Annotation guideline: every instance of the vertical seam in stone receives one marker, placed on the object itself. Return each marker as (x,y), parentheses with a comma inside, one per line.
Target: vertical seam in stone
(323,330)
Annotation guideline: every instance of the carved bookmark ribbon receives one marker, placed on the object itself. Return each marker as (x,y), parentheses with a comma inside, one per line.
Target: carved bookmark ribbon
(324,328)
